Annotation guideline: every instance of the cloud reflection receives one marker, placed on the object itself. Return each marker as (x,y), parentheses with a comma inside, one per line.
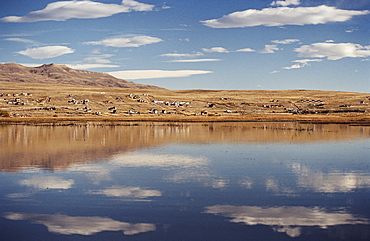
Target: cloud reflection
(135,192)
(198,174)
(63,224)
(95,172)
(47,182)
(159,161)
(330,182)
(285,219)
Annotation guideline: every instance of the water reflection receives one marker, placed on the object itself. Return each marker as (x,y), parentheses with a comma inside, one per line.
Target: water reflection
(63,224)
(158,161)
(135,192)
(47,182)
(285,219)
(330,182)
(56,148)
(184,182)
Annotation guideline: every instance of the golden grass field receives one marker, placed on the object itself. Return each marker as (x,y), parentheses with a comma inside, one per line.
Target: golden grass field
(64,104)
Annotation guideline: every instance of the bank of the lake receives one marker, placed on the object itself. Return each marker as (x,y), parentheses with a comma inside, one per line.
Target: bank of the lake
(314,119)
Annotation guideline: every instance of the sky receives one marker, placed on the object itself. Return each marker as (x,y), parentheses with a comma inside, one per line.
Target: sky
(197,44)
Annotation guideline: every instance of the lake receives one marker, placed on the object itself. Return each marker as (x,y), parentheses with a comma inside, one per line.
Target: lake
(178,181)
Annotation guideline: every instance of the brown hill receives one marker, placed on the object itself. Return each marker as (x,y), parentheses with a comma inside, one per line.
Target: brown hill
(61,74)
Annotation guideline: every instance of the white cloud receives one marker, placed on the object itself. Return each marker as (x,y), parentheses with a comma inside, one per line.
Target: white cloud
(164,6)
(156,74)
(182,55)
(302,63)
(351,30)
(91,66)
(294,66)
(67,225)
(21,40)
(285,41)
(63,10)
(98,61)
(194,60)
(135,192)
(31,64)
(286,219)
(136,41)
(216,50)
(333,51)
(46,52)
(283,16)
(306,61)
(285,3)
(246,50)
(47,183)
(269,49)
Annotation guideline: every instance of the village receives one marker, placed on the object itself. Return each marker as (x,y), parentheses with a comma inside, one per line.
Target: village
(116,102)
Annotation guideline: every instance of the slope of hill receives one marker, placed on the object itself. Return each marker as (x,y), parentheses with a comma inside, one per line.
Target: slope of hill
(61,74)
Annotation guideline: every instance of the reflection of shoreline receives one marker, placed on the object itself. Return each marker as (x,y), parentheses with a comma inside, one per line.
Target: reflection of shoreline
(289,220)
(53,148)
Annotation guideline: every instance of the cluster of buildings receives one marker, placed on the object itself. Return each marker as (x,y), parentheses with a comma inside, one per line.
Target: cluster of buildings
(17,100)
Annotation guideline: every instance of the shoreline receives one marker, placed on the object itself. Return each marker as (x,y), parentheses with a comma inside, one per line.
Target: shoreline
(64,121)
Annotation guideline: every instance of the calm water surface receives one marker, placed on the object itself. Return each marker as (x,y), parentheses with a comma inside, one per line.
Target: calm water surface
(225,181)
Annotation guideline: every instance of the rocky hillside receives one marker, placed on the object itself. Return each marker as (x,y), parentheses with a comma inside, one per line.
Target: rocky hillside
(61,74)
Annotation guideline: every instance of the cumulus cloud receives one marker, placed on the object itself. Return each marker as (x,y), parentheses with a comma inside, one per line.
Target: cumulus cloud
(135,192)
(333,51)
(302,63)
(285,41)
(269,49)
(136,41)
(63,10)
(193,60)
(156,74)
(46,52)
(283,16)
(285,3)
(47,183)
(216,50)
(246,50)
(67,225)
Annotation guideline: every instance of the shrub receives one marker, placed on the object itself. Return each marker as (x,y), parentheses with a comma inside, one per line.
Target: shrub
(4,113)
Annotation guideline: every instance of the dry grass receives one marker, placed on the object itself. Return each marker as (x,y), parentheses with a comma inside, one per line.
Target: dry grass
(53,104)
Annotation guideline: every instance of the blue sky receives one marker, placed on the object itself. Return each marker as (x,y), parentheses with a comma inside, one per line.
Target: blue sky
(197,44)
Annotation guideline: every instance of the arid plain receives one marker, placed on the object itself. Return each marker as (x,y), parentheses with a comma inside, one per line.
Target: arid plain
(34,96)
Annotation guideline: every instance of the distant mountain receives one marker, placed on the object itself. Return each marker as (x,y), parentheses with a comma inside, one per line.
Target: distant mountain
(61,74)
